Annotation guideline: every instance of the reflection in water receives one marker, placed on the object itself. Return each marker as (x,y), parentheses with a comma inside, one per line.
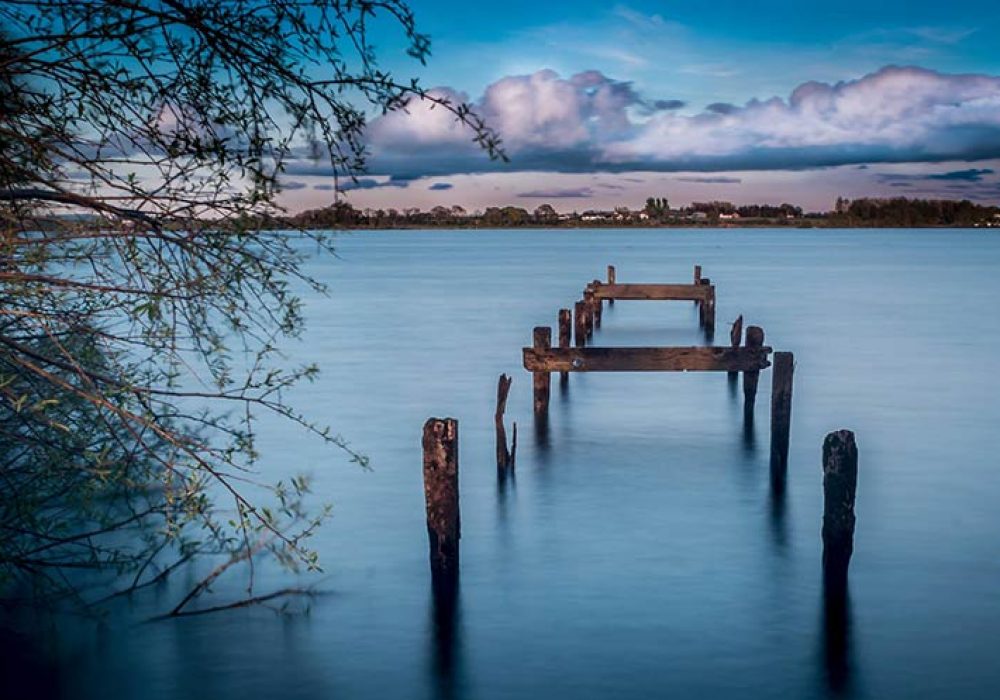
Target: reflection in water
(734,382)
(779,510)
(749,432)
(542,441)
(446,637)
(838,659)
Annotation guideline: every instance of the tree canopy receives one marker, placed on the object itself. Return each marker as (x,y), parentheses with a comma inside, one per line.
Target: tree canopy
(142,306)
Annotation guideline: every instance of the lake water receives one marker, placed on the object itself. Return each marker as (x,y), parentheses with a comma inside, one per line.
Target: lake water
(641,551)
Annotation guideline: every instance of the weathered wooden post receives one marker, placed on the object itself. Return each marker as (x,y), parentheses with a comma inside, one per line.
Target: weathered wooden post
(755,339)
(440,444)
(611,280)
(598,304)
(840,484)
(588,300)
(710,312)
(781,410)
(542,380)
(735,339)
(505,457)
(702,282)
(580,323)
(697,280)
(565,323)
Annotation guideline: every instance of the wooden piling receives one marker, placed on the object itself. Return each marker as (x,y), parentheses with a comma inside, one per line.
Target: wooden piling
(588,300)
(840,483)
(580,324)
(697,274)
(565,331)
(709,307)
(598,304)
(611,280)
(505,456)
(736,338)
(541,380)
(781,410)
(440,443)
(754,340)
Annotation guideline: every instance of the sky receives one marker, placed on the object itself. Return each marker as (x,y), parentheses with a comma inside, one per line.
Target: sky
(603,104)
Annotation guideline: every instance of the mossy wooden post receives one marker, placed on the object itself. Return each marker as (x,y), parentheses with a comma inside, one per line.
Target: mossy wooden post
(565,331)
(441,495)
(736,338)
(588,300)
(598,305)
(840,483)
(755,339)
(580,324)
(781,410)
(611,280)
(505,456)
(542,380)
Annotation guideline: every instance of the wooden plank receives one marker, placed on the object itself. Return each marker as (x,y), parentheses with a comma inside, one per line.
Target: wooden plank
(680,359)
(652,292)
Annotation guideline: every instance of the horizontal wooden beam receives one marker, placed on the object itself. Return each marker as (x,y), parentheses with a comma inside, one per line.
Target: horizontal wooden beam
(692,359)
(653,292)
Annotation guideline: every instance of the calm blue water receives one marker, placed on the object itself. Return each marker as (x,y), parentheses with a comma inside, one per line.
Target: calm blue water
(641,551)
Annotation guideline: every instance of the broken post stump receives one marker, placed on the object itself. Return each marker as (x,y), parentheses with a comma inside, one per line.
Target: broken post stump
(781,410)
(840,483)
(541,380)
(697,274)
(736,338)
(505,456)
(580,323)
(440,442)
(611,280)
(565,330)
(755,340)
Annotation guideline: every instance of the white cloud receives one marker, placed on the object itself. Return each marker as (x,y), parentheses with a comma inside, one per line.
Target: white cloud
(590,121)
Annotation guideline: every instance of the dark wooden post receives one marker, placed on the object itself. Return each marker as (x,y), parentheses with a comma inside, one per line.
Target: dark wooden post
(781,410)
(736,338)
(755,339)
(588,300)
(697,280)
(580,324)
(542,380)
(441,495)
(505,457)
(565,330)
(702,281)
(598,305)
(840,483)
(611,280)
(710,312)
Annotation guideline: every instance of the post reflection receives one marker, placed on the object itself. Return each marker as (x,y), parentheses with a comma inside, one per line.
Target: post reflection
(837,656)
(446,637)
(779,510)
(749,431)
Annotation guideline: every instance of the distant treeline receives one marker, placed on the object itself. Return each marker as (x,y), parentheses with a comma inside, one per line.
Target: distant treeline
(866,212)
(906,213)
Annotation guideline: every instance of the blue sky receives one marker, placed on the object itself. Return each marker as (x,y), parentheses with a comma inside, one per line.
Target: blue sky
(772,100)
